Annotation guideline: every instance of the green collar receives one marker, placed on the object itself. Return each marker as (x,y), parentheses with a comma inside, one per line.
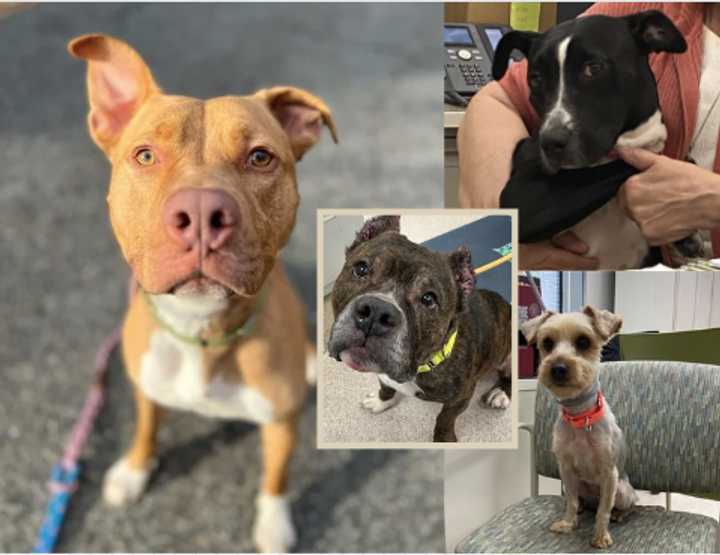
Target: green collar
(439,356)
(219,341)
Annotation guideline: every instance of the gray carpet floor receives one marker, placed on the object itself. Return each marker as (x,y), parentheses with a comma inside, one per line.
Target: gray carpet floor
(62,280)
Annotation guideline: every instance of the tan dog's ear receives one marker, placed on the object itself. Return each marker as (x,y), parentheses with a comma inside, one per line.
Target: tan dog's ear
(529,328)
(605,323)
(118,82)
(300,114)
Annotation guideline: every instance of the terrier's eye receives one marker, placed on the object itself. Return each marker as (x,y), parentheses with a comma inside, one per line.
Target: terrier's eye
(548,344)
(145,157)
(360,269)
(429,299)
(260,158)
(582,343)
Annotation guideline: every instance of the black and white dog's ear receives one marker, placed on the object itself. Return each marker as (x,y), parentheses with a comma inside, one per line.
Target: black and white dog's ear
(514,40)
(374,227)
(654,32)
(461,265)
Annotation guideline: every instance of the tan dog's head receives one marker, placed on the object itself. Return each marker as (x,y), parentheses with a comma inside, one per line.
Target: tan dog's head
(570,346)
(203,193)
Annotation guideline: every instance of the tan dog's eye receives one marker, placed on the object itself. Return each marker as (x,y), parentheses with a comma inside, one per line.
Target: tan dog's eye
(582,343)
(145,157)
(260,158)
(548,344)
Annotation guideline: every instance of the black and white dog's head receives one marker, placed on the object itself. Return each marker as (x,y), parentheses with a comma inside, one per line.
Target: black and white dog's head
(590,82)
(395,301)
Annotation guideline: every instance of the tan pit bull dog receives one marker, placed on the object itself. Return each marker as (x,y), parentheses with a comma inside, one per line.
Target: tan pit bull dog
(202,197)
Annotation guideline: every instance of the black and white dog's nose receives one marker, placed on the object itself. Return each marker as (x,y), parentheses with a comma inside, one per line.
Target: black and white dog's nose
(554,141)
(374,316)
(559,372)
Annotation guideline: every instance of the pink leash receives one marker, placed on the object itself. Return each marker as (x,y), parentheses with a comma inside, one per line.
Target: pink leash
(65,474)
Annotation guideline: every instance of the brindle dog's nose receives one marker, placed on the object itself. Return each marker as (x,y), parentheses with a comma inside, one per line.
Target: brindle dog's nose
(374,316)
(201,218)
(559,372)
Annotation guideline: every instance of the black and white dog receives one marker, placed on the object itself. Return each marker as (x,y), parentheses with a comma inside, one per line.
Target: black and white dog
(593,90)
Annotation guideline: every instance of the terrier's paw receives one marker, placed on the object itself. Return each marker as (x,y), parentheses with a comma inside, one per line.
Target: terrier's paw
(562,527)
(273,531)
(602,540)
(123,485)
(375,405)
(497,398)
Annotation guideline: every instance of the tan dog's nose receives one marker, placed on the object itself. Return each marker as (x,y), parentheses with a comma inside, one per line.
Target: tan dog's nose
(201,218)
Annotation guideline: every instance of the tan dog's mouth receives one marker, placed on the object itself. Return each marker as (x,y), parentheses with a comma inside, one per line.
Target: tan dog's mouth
(199,284)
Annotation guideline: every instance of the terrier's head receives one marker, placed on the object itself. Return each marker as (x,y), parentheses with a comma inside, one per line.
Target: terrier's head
(570,346)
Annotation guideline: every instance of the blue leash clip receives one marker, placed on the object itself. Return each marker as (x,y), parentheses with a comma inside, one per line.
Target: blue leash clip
(62,485)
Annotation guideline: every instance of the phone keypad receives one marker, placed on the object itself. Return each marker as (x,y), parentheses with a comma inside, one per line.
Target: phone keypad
(473,74)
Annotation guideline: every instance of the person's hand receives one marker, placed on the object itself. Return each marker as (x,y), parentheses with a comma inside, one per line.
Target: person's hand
(669,199)
(565,252)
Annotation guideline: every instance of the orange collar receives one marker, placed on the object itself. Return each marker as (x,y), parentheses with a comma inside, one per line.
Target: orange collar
(589,417)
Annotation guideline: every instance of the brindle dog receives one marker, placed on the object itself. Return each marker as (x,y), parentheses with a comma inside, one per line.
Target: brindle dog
(398,303)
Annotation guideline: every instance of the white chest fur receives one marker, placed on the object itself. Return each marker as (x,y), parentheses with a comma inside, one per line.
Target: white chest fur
(407,388)
(172,373)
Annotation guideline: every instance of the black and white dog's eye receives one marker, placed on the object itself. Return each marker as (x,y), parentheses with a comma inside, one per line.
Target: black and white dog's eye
(535,80)
(582,343)
(429,299)
(360,269)
(548,344)
(592,70)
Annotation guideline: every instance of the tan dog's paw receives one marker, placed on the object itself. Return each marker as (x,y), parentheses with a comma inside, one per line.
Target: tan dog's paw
(375,405)
(602,540)
(273,531)
(124,485)
(562,527)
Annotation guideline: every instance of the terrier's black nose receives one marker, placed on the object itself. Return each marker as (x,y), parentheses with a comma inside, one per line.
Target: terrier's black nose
(559,372)
(374,316)
(554,141)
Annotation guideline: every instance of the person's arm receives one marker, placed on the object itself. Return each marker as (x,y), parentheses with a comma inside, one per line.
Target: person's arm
(486,140)
(669,199)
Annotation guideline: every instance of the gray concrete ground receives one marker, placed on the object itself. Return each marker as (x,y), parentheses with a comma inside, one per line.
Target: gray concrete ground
(62,281)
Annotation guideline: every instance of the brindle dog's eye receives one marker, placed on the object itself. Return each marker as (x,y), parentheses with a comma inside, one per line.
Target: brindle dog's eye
(429,299)
(582,343)
(260,158)
(360,269)
(145,157)
(548,344)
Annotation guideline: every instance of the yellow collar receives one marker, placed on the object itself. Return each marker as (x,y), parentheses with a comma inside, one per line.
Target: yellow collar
(439,356)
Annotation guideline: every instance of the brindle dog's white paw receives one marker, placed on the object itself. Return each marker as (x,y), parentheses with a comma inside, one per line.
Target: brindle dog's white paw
(273,531)
(602,540)
(124,485)
(497,398)
(562,527)
(375,405)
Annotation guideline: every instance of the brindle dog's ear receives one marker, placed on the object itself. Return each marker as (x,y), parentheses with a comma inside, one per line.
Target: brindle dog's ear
(374,227)
(530,328)
(605,323)
(514,40)
(654,32)
(461,265)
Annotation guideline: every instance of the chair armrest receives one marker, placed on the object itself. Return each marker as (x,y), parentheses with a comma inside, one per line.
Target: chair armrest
(534,485)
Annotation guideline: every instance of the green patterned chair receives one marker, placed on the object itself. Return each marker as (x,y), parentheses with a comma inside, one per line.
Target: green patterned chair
(670,413)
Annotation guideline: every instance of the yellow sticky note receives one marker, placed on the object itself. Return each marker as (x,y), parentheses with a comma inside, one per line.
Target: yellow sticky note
(525,16)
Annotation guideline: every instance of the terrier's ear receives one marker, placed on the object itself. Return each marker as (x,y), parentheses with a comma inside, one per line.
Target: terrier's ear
(530,327)
(655,32)
(374,227)
(301,114)
(461,265)
(605,323)
(118,83)
(514,40)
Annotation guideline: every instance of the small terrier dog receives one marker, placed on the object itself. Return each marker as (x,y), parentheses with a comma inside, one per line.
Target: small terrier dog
(587,441)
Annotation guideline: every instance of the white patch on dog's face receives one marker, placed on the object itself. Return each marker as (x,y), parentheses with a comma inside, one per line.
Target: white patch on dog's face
(560,114)
(650,135)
